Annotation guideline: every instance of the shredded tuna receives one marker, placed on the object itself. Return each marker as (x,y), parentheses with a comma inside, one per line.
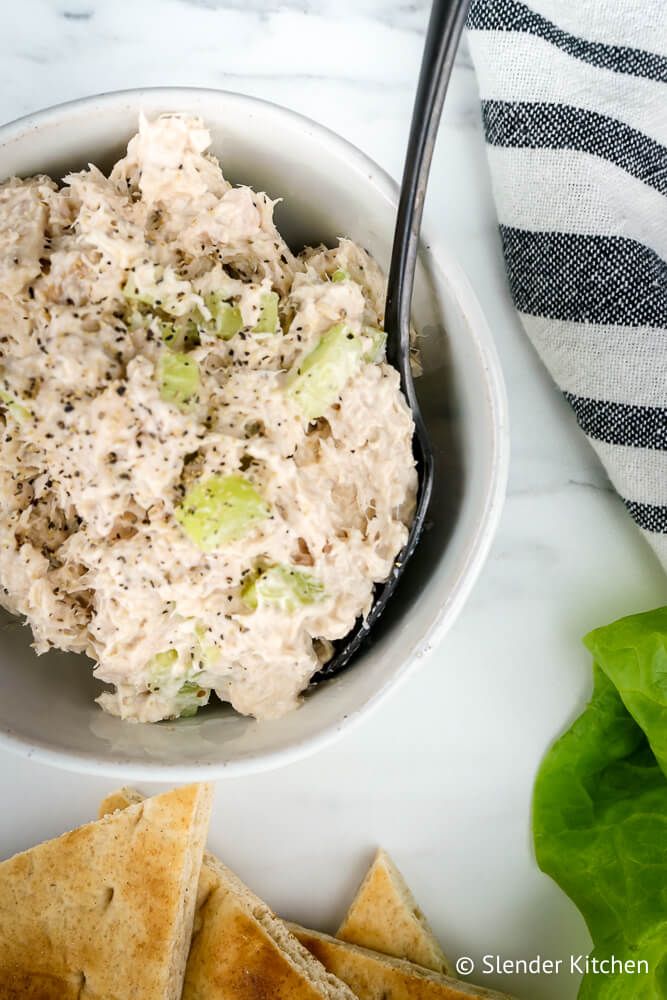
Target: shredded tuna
(101,280)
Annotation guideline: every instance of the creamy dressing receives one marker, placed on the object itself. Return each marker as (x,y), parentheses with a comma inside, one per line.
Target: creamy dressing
(99,279)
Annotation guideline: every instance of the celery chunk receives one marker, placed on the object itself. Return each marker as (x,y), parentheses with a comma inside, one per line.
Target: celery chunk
(227,319)
(378,339)
(162,661)
(340,274)
(160,668)
(179,380)
(220,509)
(268,313)
(189,698)
(19,412)
(179,336)
(134,296)
(317,381)
(207,653)
(283,586)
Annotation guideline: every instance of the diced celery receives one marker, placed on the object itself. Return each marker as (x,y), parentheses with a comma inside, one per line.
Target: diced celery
(283,586)
(378,338)
(227,319)
(220,509)
(209,653)
(340,274)
(169,335)
(157,289)
(179,379)
(180,336)
(19,412)
(131,293)
(190,697)
(160,668)
(317,381)
(164,660)
(268,313)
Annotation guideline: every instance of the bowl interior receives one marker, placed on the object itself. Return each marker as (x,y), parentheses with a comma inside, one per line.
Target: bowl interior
(328,189)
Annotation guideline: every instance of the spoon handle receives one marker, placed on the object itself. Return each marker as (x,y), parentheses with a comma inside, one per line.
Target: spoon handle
(442,37)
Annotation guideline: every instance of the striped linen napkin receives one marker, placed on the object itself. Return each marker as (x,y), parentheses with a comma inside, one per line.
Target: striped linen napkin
(574,105)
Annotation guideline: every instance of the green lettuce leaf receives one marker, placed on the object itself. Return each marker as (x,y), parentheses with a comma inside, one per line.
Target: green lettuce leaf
(600,811)
(633,654)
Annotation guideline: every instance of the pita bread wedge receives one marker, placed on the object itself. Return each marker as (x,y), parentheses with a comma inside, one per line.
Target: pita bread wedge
(106,911)
(120,799)
(240,949)
(384,916)
(373,976)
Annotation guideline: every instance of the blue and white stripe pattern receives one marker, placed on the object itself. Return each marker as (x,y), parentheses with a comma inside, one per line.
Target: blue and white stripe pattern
(574,105)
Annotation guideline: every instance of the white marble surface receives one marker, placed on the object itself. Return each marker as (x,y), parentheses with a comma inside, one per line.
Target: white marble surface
(442,774)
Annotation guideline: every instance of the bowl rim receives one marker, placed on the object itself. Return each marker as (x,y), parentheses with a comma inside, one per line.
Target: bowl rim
(477,547)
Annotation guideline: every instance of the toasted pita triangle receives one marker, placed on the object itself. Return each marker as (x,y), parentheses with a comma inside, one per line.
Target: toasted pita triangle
(106,911)
(373,976)
(240,949)
(384,916)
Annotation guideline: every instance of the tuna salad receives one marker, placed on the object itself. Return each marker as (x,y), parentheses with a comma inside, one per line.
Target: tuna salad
(205,461)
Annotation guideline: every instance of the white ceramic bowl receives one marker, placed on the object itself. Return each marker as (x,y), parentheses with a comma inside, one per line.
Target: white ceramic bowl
(329,188)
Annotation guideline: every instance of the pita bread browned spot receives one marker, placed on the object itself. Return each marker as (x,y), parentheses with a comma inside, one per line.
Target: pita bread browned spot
(373,976)
(384,916)
(34,986)
(106,910)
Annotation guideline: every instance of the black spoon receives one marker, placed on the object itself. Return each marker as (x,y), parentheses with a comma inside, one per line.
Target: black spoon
(442,38)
